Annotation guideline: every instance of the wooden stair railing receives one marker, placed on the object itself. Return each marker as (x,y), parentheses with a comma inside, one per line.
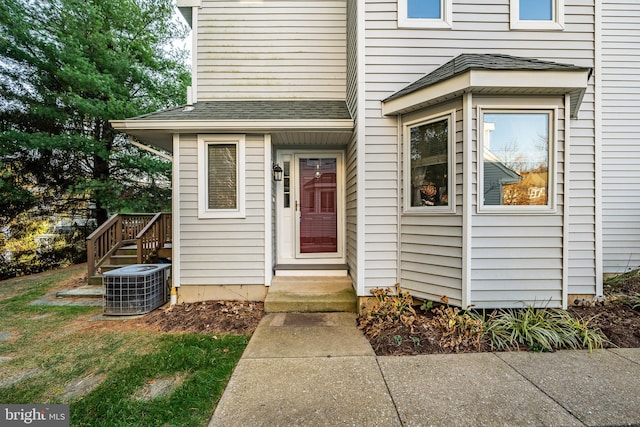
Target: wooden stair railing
(153,237)
(118,230)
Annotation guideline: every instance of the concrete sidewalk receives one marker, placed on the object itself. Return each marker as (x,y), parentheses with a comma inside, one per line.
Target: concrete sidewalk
(319,370)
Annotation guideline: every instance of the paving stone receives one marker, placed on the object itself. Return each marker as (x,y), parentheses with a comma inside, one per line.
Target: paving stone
(81,386)
(158,387)
(17,377)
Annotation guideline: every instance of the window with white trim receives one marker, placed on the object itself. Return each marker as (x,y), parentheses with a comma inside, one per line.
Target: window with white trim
(221,176)
(537,14)
(424,13)
(429,164)
(516,160)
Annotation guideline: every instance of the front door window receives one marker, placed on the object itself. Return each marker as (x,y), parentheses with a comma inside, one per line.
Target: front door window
(318,229)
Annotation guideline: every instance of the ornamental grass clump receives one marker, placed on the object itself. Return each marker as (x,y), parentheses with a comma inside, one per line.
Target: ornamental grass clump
(540,330)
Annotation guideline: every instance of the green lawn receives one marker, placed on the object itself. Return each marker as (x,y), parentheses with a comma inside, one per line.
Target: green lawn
(55,347)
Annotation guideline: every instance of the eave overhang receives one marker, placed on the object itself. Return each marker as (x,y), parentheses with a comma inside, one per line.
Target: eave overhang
(185,7)
(289,122)
(160,133)
(562,80)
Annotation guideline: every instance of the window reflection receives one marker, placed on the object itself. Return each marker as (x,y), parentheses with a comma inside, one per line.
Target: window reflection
(430,164)
(516,158)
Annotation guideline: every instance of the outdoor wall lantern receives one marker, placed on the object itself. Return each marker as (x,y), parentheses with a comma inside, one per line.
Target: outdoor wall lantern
(277,172)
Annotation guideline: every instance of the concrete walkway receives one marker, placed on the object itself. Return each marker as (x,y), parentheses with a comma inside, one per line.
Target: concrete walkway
(319,370)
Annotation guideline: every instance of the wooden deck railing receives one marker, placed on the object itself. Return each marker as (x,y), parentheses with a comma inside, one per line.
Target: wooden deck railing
(153,237)
(118,230)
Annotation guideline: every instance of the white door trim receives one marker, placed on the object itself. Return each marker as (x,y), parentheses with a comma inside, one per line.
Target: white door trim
(287,219)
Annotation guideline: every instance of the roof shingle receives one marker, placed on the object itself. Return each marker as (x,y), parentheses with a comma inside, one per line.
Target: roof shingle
(478,61)
(254,110)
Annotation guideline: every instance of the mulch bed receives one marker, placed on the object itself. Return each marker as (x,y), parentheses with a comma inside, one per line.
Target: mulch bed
(215,317)
(614,316)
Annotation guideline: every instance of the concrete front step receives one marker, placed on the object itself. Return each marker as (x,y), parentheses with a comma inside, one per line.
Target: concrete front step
(302,294)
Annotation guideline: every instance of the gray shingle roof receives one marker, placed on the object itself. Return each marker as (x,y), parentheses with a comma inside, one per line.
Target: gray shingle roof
(254,110)
(474,61)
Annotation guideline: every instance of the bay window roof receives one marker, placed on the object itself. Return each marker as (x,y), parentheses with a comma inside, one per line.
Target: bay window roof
(491,74)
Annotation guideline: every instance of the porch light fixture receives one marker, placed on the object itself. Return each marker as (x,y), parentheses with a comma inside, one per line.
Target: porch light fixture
(277,172)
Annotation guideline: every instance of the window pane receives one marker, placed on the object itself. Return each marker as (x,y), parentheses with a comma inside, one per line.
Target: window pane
(516,159)
(424,9)
(536,10)
(222,162)
(430,164)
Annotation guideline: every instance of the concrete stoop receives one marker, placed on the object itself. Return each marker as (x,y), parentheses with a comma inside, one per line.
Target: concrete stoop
(302,294)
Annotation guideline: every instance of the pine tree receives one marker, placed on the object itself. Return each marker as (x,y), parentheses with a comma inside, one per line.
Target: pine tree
(67,67)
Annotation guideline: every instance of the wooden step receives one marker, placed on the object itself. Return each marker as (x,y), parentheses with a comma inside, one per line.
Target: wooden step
(165,253)
(123,259)
(127,250)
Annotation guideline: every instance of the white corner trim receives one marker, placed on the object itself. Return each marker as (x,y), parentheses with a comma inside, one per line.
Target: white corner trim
(195,27)
(566,210)
(175,213)
(268,212)
(467,201)
(360,155)
(400,194)
(598,149)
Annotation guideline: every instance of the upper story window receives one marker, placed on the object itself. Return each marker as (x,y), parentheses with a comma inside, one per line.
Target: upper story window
(424,13)
(537,14)
(516,160)
(221,176)
(429,164)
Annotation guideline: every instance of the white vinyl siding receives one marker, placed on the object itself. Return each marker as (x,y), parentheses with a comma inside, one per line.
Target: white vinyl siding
(396,57)
(431,245)
(351,167)
(271,49)
(621,135)
(222,251)
(517,259)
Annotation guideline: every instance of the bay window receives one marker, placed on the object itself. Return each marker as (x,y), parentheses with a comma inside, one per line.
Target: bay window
(516,160)
(429,160)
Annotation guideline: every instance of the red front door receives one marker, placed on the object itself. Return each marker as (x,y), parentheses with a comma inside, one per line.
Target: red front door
(318,230)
